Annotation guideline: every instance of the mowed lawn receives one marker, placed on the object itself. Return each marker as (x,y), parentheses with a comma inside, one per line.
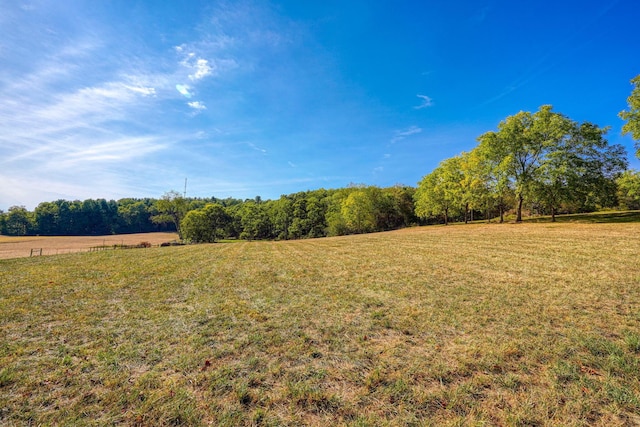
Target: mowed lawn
(480,325)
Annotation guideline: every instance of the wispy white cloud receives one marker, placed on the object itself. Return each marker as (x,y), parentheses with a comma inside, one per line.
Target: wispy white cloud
(410,131)
(146,91)
(95,113)
(118,149)
(202,69)
(197,105)
(71,130)
(426,102)
(198,67)
(255,147)
(402,134)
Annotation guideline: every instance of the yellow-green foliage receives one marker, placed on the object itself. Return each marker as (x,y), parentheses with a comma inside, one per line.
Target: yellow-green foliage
(532,324)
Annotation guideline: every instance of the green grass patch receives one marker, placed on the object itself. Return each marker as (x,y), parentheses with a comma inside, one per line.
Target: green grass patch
(529,324)
(605,217)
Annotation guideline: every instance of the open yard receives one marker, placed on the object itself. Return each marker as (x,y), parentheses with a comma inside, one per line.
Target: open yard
(16,247)
(505,325)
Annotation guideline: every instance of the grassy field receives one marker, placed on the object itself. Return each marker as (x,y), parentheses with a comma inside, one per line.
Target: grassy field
(479,325)
(17,247)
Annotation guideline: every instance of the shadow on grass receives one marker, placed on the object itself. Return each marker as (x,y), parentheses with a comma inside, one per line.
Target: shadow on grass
(593,218)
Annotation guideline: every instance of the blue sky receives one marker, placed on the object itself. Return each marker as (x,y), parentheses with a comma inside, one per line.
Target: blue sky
(126,98)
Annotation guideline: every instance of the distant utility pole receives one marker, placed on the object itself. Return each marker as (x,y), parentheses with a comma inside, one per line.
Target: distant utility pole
(185,189)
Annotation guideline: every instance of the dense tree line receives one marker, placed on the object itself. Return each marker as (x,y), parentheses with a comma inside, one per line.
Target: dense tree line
(88,217)
(318,213)
(309,214)
(465,187)
(543,162)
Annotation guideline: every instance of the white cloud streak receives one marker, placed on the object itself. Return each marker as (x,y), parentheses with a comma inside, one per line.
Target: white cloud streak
(426,102)
(68,133)
(400,135)
(255,147)
(146,91)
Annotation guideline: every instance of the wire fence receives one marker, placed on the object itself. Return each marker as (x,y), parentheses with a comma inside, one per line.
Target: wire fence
(35,252)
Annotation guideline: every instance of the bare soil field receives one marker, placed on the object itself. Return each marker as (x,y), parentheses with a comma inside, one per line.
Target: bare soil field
(18,247)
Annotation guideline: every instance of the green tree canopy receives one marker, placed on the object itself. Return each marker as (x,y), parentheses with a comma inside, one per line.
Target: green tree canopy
(18,221)
(440,192)
(205,225)
(580,171)
(171,208)
(632,115)
(629,189)
(523,144)
(358,211)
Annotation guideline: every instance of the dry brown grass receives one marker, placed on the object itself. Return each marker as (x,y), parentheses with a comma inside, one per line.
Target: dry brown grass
(17,247)
(479,325)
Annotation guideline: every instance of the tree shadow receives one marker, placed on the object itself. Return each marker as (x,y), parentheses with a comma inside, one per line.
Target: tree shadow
(592,218)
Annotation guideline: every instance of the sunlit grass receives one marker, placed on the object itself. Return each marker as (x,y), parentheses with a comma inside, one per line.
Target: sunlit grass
(530,324)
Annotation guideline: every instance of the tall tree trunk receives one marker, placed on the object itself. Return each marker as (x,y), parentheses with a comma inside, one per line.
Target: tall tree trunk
(553,214)
(519,212)
(466,213)
(446,216)
(501,214)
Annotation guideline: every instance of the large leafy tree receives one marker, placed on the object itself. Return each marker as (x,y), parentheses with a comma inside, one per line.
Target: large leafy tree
(205,225)
(439,193)
(171,208)
(494,175)
(596,166)
(336,224)
(254,220)
(316,210)
(404,212)
(299,223)
(473,177)
(281,213)
(358,211)
(581,171)
(523,144)
(18,221)
(134,215)
(629,189)
(47,217)
(553,160)
(632,115)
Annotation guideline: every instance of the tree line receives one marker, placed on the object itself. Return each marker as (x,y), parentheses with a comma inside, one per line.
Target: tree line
(462,188)
(317,213)
(544,159)
(542,162)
